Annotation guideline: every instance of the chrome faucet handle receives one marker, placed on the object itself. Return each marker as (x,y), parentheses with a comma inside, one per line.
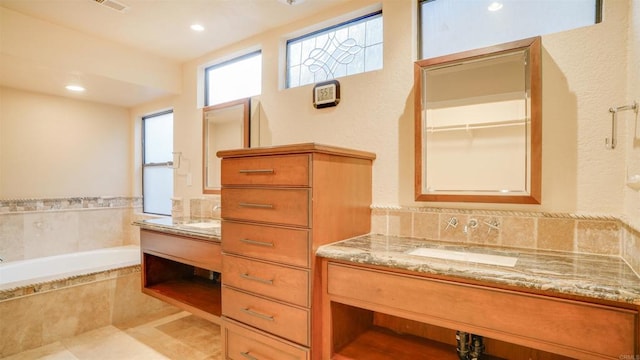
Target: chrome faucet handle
(493,225)
(453,222)
(473,223)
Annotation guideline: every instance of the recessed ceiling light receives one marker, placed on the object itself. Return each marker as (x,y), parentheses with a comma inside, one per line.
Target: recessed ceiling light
(197,27)
(291,2)
(76,88)
(495,6)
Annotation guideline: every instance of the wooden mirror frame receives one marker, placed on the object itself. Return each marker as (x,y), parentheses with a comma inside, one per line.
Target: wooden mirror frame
(246,136)
(535,81)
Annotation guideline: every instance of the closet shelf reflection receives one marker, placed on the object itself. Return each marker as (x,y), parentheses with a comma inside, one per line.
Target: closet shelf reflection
(475,126)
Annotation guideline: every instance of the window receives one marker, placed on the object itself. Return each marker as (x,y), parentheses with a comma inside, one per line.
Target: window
(452,26)
(233,79)
(348,48)
(157,160)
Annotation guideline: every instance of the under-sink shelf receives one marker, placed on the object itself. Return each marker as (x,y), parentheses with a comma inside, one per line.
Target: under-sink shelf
(382,344)
(178,284)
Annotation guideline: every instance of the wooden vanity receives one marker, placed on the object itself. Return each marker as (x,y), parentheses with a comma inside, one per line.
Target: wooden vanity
(183,269)
(278,205)
(367,304)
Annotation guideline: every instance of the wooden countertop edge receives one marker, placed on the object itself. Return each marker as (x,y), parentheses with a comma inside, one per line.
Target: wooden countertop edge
(297,149)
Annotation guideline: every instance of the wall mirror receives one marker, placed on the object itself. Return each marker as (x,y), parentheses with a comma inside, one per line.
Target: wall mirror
(478,125)
(225,126)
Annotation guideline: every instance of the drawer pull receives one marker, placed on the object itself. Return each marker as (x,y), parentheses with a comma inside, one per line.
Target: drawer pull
(258,206)
(257,314)
(256,171)
(256,242)
(255,278)
(248,356)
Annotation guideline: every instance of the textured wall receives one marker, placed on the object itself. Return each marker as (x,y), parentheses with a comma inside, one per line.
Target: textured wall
(632,121)
(584,74)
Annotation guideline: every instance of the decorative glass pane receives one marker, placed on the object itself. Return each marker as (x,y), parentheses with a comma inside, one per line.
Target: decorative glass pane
(157,189)
(234,79)
(336,51)
(451,26)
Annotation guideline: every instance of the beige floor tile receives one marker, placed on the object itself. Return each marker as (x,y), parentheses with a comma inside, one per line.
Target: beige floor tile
(55,351)
(109,343)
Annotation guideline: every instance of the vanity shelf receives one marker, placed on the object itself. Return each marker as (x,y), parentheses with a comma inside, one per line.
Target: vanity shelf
(182,271)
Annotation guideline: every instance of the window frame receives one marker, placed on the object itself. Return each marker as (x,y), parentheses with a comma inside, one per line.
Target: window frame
(144,149)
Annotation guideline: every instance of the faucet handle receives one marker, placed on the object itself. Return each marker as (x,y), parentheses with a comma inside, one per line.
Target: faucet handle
(493,225)
(453,222)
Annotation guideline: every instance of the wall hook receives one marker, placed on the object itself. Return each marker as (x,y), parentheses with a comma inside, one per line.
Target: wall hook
(610,143)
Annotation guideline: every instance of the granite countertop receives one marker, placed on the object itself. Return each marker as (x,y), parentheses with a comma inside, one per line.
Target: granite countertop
(201,228)
(592,276)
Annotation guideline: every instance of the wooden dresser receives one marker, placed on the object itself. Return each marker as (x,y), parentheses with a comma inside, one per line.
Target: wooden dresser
(279,204)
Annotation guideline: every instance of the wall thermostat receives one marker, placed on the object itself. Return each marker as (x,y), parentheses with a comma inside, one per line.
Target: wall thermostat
(326,94)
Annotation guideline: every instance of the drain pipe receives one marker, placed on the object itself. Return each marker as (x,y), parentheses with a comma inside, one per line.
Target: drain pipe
(470,346)
(476,348)
(462,338)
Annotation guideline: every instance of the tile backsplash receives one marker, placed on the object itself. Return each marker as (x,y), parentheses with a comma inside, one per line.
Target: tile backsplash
(602,235)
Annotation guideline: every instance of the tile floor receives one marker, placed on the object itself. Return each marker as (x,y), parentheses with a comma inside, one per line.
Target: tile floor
(176,337)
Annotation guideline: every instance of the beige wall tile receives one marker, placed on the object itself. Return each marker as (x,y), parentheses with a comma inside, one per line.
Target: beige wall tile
(101,228)
(379,221)
(11,237)
(426,225)
(598,237)
(631,248)
(21,324)
(130,304)
(556,234)
(518,232)
(400,223)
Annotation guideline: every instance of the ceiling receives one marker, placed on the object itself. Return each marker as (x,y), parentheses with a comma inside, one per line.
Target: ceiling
(159,28)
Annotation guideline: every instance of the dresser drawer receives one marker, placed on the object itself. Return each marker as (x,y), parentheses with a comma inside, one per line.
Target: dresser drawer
(278,206)
(561,326)
(289,322)
(283,245)
(286,170)
(242,343)
(278,282)
(201,253)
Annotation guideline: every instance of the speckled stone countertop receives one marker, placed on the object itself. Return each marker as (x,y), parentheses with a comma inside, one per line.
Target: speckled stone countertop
(591,276)
(201,228)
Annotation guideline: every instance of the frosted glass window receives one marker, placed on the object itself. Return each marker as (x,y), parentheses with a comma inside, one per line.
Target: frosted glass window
(157,173)
(234,79)
(348,48)
(452,26)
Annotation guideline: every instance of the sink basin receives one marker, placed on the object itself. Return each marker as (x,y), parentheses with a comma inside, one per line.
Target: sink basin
(203,225)
(489,259)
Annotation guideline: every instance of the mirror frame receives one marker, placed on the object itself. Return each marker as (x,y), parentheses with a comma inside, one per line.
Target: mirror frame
(535,81)
(246,136)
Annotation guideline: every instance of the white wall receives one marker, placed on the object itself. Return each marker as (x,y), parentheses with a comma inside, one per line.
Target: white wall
(584,74)
(58,147)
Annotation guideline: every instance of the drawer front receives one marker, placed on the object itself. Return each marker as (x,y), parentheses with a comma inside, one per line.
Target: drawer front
(551,324)
(279,282)
(278,206)
(283,245)
(201,253)
(287,170)
(276,318)
(242,343)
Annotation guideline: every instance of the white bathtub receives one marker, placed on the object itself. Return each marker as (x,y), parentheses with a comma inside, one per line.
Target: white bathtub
(32,271)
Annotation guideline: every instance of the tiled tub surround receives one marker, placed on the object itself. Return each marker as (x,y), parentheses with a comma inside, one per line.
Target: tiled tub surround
(601,235)
(40,314)
(34,228)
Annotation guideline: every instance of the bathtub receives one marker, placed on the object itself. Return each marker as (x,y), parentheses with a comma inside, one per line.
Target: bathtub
(21,273)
